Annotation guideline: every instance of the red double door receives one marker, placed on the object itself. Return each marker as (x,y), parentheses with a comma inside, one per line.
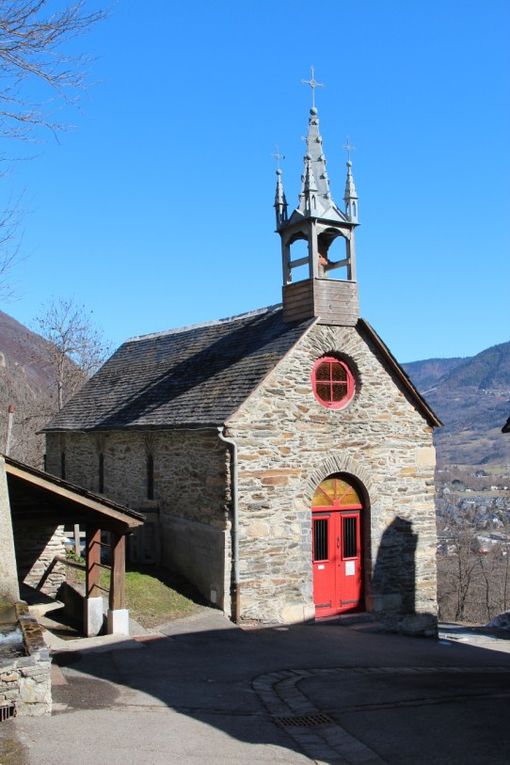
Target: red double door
(337,556)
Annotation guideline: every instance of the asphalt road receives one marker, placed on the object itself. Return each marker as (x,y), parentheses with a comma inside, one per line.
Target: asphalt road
(202,690)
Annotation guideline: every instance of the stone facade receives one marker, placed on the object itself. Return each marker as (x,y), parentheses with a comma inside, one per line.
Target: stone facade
(287,444)
(25,678)
(191,493)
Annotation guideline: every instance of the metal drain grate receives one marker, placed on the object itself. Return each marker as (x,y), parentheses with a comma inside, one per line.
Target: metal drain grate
(304,721)
(7,711)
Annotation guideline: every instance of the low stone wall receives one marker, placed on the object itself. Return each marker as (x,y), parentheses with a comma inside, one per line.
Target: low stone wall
(25,679)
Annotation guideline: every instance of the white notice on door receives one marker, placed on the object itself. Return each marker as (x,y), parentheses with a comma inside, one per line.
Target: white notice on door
(350,569)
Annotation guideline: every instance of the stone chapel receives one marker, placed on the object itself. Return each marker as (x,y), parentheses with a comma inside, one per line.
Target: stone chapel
(282,458)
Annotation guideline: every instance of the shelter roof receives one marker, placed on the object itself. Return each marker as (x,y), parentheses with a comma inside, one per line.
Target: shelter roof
(32,488)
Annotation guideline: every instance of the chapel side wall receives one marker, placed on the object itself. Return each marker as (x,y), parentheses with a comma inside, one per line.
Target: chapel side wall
(190,490)
(288,443)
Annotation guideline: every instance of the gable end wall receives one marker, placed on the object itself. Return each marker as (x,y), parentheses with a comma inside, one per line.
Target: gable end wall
(288,443)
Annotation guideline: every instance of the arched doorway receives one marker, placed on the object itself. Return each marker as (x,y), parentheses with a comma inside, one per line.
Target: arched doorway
(337,547)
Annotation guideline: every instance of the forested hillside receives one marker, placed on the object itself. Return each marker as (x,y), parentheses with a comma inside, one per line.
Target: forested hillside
(25,382)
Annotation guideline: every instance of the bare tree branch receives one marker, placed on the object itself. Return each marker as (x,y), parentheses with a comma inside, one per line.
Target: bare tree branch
(36,72)
(9,246)
(32,43)
(76,348)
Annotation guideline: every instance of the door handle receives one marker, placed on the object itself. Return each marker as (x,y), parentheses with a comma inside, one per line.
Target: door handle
(338,543)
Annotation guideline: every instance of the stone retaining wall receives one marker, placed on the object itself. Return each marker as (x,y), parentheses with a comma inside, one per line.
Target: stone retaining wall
(25,680)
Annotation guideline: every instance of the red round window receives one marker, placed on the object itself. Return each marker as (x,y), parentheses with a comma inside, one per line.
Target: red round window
(333,382)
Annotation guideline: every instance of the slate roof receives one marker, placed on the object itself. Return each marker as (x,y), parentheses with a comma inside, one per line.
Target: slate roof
(200,375)
(195,376)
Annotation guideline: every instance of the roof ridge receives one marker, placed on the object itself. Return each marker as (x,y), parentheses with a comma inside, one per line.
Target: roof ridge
(211,323)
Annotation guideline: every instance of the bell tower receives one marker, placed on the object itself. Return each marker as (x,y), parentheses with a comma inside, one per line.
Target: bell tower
(329,291)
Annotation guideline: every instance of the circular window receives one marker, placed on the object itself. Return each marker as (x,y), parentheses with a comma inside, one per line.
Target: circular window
(333,382)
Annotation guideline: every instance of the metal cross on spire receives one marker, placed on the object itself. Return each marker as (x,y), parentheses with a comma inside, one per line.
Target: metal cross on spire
(278,157)
(348,147)
(312,82)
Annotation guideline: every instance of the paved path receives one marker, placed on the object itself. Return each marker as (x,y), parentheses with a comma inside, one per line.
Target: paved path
(202,690)
(323,738)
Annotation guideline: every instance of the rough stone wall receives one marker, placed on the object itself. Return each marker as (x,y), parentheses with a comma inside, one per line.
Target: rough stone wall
(26,682)
(37,545)
(190,493)
(288,443)
(9,587)
(25,679)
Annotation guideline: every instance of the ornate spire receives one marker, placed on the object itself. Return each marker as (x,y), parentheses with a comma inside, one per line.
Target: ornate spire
(309,194)
(315,173)
(280,202)
(329,290)
(350,196)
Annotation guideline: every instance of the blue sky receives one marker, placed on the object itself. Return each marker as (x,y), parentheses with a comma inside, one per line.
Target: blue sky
(155,210)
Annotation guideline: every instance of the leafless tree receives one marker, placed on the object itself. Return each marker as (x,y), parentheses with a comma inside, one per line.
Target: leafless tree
(465,565)
(473,574)
(36,72)
(33,39)
(76,348)
(457,568)
(8,249)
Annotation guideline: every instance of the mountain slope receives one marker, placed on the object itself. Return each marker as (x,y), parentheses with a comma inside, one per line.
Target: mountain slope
(26,382)
(425,374)
(472,397)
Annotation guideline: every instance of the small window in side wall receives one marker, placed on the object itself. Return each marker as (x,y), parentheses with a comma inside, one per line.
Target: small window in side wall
(63,465)
(101,474)
(332,382)
(150,476)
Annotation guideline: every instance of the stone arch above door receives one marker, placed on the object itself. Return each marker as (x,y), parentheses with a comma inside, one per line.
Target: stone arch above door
(338,463)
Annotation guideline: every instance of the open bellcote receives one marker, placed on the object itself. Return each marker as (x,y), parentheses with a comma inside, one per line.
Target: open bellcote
(329,291)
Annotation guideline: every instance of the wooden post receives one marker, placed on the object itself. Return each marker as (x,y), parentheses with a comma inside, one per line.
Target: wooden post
(77,540)
(117,596)
(93,562)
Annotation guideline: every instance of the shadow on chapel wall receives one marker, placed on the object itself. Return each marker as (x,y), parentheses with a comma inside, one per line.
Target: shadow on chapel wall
(394,577)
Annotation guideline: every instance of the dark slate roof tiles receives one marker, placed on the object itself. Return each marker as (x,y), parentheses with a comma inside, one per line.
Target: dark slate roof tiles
(195,376)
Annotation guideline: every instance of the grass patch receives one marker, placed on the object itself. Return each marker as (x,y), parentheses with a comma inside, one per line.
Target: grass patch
(153,595)
(152,601)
